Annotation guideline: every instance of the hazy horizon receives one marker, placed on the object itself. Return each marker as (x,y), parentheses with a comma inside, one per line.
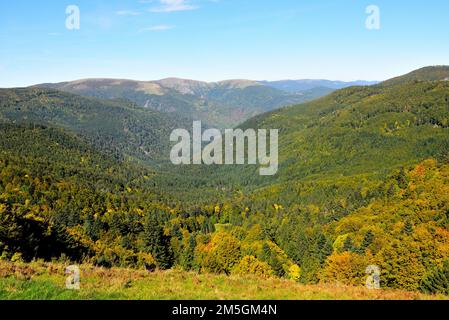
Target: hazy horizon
(190,79)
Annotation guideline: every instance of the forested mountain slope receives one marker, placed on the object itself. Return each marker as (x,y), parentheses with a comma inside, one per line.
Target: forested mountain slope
(222,104)
(363,180)
(52,181)
(116,126)
(434,73)
(358,130)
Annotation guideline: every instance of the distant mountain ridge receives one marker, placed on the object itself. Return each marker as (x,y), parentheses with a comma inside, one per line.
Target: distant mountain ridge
(222,104)
(308,84)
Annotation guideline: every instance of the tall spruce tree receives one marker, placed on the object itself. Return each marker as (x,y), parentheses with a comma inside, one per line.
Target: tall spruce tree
(188,256)
(156,243)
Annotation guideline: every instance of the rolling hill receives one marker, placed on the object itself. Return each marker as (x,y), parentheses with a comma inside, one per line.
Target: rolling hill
(116,126)
(340,144)
(358,183)
(434,73)
(221,104)
(295,86)
(51,180)
(359,130)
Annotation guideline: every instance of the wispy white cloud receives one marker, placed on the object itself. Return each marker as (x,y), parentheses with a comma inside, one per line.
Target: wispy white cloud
(173,6)
(128,13)
(160,27)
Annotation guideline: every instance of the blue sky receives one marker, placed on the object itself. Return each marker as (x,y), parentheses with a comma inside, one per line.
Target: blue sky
(219,39)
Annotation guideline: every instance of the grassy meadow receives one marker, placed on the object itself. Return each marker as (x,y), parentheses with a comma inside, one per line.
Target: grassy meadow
(46,281)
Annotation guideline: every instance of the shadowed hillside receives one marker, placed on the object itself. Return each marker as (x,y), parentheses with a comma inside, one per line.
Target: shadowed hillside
(118,125)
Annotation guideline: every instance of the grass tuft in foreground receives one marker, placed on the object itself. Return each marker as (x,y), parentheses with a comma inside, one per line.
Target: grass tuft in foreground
(46,281)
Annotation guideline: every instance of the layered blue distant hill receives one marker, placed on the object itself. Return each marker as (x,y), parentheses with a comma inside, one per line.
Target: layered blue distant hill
(309,84)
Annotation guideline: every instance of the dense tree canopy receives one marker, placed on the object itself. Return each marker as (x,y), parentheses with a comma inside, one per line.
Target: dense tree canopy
(363,180)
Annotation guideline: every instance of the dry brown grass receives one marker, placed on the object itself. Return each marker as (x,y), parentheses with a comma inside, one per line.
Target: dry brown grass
(101,283)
